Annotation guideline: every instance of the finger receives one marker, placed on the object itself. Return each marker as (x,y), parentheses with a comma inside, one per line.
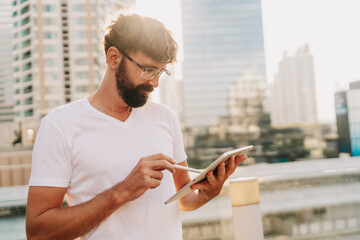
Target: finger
(220,173)
(202,185)
(154,183)
(161,156)
(211,178)
(156,175)
(162,165)
(240,159)
(230,165)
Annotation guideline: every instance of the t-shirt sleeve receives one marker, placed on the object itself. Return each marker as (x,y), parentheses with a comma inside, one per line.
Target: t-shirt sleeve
(51,164)
(179,154)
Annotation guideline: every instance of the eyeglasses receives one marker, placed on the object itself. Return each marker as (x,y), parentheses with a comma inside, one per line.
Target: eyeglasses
(150,73)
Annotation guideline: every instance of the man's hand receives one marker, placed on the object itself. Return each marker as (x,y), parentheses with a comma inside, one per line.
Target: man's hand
(147,174)
(212,185)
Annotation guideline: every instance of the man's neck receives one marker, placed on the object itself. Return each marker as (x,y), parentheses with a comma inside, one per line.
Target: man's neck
(110,103)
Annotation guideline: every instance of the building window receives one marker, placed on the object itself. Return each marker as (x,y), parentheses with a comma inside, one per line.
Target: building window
(79,8)
(27,78)
(96,62)
(49,8)
(51,76)
(28,101)
(52,103)
(27,66)
(50,62)
(14,3)
(95,34)
(80,34)
(81,61)
(25,10)
(50,48)
(25,21)
(29,113)
(15,35)
(25,32)
(79,21)
(96,48)
(50,35)
(26,55)
(49,21)
(15,14)
(81,48)
(28,89)
(82,75)
(52,90)
(82,89)
(26,43)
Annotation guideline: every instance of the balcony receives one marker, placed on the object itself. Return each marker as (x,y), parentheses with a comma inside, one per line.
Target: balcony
(28,89)
(25,10)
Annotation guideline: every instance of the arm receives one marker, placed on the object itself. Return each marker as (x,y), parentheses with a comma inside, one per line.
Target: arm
(207,189)
(45,219)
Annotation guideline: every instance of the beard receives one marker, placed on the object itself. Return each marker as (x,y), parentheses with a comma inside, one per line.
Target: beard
(133,96)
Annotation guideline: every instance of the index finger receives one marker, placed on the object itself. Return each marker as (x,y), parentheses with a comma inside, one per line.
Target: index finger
(161,156)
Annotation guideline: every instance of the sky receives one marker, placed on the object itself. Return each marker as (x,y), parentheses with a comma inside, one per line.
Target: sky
(330,27)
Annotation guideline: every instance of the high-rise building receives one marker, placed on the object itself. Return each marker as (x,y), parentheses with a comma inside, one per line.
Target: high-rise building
(170,91)
(6,86)
(353,100)
(222,40)
(347,109)
(7,124)
(293,98)
(57,54)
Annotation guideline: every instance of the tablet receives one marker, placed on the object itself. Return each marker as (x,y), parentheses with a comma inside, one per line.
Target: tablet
(223,158)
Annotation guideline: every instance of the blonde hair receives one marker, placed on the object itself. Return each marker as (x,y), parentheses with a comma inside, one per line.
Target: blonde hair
(135,33)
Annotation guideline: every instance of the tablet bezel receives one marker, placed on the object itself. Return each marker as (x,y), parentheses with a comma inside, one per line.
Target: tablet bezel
(223,158)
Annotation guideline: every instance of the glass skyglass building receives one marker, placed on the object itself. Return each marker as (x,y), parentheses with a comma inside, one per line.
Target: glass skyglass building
(222,40)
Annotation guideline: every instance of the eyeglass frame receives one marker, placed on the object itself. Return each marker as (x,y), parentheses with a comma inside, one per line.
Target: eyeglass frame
(144,69)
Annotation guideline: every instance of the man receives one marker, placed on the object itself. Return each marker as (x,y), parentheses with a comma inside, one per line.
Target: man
(112,154)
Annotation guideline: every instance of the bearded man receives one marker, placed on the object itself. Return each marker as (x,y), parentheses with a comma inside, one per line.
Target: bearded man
(112,154)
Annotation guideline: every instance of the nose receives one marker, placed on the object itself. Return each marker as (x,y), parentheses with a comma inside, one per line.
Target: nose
(155,81)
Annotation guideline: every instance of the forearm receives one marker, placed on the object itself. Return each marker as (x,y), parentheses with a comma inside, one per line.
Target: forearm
(193,200)
(74,221)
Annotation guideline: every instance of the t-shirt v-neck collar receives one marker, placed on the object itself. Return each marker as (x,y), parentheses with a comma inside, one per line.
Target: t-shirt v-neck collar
(110,118)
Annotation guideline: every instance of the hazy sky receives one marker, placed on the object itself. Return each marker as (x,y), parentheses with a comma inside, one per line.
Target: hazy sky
(331,27)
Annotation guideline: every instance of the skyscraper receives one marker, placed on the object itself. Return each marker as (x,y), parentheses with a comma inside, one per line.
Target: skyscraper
(293,96)
(222,40)
(353,99)
(57,53)
(170,91)
(6,90)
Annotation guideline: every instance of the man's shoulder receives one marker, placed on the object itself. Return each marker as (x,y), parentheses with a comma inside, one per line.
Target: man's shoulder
(66,111)
(158,108)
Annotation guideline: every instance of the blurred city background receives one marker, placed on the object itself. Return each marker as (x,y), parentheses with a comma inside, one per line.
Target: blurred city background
(282,75)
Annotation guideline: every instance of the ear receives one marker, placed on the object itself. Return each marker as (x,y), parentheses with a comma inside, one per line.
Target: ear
(113,58)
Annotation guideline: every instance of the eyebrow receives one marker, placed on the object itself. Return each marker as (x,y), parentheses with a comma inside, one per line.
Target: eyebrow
(150,66)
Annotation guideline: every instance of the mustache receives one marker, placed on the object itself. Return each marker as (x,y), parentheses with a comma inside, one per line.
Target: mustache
(145,87)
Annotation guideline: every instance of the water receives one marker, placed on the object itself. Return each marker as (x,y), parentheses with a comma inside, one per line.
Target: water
(12,228)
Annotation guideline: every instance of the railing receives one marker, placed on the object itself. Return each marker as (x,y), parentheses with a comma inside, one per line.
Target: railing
(315,199)
(15,168)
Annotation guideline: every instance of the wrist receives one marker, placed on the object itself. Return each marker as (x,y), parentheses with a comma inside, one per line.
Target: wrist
(119,196)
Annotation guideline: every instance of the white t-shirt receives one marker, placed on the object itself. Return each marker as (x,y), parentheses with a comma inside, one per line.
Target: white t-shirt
(87,151)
